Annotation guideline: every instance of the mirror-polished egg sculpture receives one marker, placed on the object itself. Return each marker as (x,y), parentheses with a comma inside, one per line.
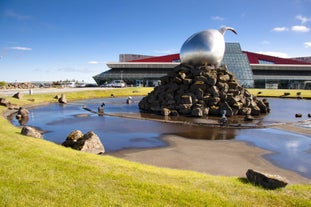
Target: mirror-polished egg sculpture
(205,47)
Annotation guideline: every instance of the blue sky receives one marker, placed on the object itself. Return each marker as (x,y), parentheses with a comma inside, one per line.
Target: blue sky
(74,39)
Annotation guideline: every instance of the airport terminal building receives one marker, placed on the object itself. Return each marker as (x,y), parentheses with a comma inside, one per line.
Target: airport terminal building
(251,69)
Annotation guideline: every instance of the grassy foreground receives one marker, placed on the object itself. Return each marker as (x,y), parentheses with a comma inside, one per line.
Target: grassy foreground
(36,172)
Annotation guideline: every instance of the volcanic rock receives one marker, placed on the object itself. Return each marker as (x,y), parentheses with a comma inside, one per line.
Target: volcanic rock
(5,102)
(62,99)
(202,91)
(18,95)
(88,142)
(266,180)
(31,132)
(22,113)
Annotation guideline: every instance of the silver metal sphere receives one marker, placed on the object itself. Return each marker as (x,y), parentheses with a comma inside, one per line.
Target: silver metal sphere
(205,47)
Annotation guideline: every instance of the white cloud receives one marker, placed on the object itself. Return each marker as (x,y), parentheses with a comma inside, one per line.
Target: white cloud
(307,44)
(93,62)
(303,19)
(15,15)
(280,29)
(20,48)
(276,54)
(296,28)
(218,18)
(300,28)
(265,42)
(165,52)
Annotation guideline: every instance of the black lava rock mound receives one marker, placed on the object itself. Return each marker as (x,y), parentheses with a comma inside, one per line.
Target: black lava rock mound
(202,91)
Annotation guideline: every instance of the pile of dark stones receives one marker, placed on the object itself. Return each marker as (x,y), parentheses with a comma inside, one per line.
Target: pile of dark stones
(201,91)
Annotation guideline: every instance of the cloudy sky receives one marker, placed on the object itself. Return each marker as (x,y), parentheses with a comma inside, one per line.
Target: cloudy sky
(74,39)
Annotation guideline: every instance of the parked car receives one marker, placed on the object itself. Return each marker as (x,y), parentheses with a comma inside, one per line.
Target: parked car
(117,84)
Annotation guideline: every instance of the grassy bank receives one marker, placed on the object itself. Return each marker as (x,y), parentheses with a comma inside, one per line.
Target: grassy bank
(40,98)
(282,93)
(40,173)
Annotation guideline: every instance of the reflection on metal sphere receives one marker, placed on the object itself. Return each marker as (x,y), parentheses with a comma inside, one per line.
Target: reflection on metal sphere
(205,47)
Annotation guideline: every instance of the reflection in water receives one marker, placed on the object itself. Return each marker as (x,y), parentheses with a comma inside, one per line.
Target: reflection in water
(209,133)
(118,133)
(290,150)
(22,120)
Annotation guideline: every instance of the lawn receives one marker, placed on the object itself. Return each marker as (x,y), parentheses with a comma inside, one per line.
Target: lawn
(282,93)
(36,172)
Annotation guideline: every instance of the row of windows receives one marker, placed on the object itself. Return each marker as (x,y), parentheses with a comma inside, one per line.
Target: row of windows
(265,62)
(282,72)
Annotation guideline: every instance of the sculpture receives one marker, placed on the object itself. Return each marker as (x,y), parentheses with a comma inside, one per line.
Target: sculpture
(213,91)
(205,47)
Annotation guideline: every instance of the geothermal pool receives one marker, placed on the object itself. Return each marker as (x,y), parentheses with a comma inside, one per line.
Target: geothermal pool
(291,151)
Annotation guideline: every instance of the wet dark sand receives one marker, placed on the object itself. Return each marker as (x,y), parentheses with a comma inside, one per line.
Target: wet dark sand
(293,128)
(225,158)
(222,157)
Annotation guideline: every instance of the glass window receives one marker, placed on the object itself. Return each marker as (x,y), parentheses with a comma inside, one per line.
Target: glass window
(265,62)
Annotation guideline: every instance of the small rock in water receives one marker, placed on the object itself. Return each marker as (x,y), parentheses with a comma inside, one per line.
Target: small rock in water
(299,115)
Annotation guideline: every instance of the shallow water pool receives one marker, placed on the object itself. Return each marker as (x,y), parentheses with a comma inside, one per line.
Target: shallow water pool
(290,150)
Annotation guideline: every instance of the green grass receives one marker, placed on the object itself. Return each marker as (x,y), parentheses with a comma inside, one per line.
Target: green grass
(49,97)
(292,93)
(36,172)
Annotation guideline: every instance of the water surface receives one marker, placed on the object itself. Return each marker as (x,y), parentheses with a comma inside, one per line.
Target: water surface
(290,150)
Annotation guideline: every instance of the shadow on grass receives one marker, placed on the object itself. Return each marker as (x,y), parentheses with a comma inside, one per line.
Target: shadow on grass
(243,180)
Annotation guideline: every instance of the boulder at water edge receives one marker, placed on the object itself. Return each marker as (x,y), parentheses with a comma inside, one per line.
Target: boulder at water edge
(22,113)
(62,99)
(88,142)
(31,132)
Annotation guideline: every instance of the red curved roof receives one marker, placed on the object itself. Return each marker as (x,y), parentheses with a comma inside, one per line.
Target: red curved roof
(253,58)
(165,58)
